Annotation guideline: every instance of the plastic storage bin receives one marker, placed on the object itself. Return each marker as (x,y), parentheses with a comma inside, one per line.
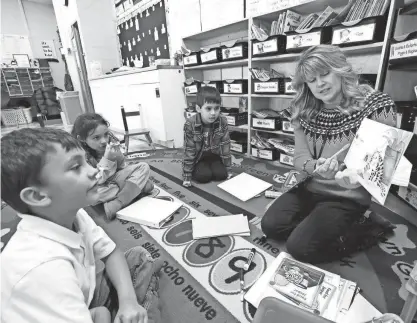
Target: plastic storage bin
(359,32)
(209,56)
(271,86)
(235,86)
(192,59)
(266,153)
(269,123)
(297,41)
(273,45)
(234,52)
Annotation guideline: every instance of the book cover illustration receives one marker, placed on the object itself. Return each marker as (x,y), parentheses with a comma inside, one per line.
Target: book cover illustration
(298,281)
(375,153)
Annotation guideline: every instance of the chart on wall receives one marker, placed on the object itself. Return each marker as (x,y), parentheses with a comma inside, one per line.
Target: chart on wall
(144,35)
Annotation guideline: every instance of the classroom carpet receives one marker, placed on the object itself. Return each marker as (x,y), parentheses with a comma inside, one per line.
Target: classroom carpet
(199,281)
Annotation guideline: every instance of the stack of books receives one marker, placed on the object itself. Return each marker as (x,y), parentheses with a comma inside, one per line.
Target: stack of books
(367,8)
(307,287)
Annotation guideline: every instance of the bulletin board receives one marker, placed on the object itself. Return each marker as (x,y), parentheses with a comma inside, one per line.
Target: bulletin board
(144,35)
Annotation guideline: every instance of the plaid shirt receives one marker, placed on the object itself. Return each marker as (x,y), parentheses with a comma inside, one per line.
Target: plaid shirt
(194,143)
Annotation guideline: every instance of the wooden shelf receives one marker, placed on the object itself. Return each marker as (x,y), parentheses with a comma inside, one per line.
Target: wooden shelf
(273,162)
(231,28)
(282,96)
(409,9)
(226,64)
(353,50)
(276,132)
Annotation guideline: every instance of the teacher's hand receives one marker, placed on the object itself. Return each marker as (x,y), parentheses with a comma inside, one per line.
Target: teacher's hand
(347,179)
(327,167)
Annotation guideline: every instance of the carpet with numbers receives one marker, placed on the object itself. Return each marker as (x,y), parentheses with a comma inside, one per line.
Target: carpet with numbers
(199,281)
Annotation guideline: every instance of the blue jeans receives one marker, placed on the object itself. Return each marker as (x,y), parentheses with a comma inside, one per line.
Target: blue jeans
(144,272)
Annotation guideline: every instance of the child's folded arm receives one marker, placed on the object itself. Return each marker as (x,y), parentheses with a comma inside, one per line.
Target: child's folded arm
(225,150)
(57,281)
(189,152)
(106,168)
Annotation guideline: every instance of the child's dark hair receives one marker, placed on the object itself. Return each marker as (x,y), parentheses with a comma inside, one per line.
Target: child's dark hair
(208,94)
(84,125)
(23,155)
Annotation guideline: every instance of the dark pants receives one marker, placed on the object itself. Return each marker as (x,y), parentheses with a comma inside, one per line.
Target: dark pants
(311,223)
(144,272)
(209,168)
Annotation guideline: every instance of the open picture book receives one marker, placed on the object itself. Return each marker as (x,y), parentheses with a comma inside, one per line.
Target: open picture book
(375,154)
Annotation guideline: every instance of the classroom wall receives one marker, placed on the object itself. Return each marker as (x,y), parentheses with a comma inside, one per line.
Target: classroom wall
(41,25)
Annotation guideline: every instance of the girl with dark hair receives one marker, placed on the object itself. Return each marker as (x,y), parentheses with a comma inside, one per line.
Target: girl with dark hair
(119,183)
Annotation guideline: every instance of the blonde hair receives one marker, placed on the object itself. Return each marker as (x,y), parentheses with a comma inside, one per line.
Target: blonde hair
(321,59)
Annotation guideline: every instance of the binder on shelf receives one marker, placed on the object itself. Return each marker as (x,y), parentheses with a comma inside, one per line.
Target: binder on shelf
(403,49)
(271,86)
(298,40)
(268,123)
(210,55)
(273,45)
(191,59)
(265,153)
(235,87)
(234,51)
(359,32)
(192,86)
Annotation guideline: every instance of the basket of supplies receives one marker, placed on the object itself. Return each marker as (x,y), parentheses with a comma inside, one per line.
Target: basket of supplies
(12,117)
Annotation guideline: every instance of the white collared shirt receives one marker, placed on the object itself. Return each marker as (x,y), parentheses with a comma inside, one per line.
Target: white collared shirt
(48,272)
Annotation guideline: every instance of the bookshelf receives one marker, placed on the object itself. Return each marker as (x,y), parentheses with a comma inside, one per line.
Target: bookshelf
(366,59)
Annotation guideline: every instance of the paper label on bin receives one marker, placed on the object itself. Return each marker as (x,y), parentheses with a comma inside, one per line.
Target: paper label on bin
(192,59)
(404,49)
(264,123)
(191,89)
(232,88)
(231,120)
(260,153)
(266,87)
(304,40)
(265,46)
(210,56)
(353,34)
(236,147)
(234,52)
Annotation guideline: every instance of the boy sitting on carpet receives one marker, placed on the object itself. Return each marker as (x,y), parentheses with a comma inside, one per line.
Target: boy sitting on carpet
(206,140)
(49,265)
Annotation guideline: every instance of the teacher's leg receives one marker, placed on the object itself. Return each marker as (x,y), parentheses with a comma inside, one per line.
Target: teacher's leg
(314,239)
(286,213)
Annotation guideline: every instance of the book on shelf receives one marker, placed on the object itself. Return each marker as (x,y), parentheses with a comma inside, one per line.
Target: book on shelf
(308,21)
(325,16)
(291,21)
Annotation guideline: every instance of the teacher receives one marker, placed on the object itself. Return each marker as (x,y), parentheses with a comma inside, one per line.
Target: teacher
(320,218)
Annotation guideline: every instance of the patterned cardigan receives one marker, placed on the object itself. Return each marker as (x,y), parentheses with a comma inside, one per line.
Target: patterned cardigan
(194,143)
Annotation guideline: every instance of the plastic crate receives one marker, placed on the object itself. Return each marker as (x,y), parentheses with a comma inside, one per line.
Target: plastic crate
(12,117)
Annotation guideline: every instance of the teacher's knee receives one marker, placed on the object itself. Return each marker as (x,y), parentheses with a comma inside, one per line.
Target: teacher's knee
(269,224)
(300,249)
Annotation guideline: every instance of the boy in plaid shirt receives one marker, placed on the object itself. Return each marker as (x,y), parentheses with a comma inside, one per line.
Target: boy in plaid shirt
(206,140)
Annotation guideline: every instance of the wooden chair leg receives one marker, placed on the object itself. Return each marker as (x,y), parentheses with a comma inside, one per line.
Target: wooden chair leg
(148,137)
(126,137)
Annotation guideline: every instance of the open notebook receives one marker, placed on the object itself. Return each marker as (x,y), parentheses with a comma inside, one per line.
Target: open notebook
(205,227)
(149,211)
(244,186)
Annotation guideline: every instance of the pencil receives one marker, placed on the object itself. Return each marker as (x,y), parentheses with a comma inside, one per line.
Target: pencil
(334,156)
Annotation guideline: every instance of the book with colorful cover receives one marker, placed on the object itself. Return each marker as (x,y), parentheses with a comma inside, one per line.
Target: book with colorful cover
(297,281)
